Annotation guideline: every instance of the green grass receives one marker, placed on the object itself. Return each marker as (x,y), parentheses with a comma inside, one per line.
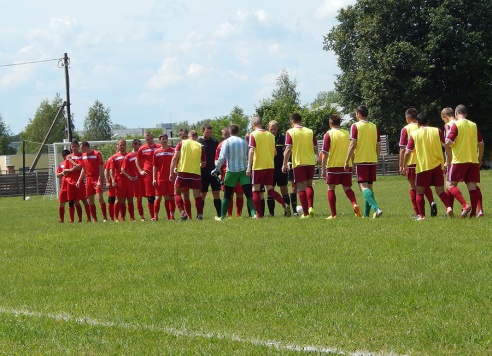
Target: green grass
(385,285)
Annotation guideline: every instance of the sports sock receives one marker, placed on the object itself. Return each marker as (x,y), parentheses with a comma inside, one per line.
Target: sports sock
(445,199)
(218,206)
(187,205)
(225,204)
(293,202)
(71,213)
(458,196)
(199,205)
(122,214)
(151,210)
(310,196)
(179,203)
(429,195)
(104,212)
(157,208)
(332,202)
(479,202)
(413,199)
(262,207)
(257,203)
(451,198)
(369,197)
(271,205)
(131,211)
(87,211)
(78,208)
(140,208)
(421,204)
(93,212)
(286,199)
(111,210)
(304,201)
(239,206)
(251,207)
(367,208)
(229,207)
(61,213)
(473,202)
(275,195)
(351,196)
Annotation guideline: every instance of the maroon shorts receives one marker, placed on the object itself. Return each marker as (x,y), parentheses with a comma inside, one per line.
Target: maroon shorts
(303,173)
(112,191)
(164,188)
(91,186)
(149,187)
(366,172)
(75,193)
(263,176)
(411,175)
(125,188)
(63,196)
(238,189)
(464,172)
(431,178)
(338,175)
(188,180)
(138,187)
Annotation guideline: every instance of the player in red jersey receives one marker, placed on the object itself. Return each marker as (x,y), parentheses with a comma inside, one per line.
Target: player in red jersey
(63,195)
(189,158)
(412,125)
(93,170)
(110,186)
(121,182)
(129,169)
(238,189)
(76,194)
(145,157)
(160,173)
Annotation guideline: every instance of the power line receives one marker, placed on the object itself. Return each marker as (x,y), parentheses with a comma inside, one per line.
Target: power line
(24,63)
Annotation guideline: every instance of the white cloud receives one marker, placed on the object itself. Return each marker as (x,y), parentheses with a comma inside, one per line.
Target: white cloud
(329,8)
(169,74)
(226,30)
(262,16)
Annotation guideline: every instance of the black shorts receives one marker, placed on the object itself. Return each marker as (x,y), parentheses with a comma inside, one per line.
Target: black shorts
(280,178)
(208,180)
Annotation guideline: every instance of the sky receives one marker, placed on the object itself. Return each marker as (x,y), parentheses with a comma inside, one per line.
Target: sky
(154,62)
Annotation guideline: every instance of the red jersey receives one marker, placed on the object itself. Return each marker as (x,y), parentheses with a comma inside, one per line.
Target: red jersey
(217,154)
(91,162)
(162,161)
(129,164)
(145,156)
(73,177)
(61,167)
(116,163)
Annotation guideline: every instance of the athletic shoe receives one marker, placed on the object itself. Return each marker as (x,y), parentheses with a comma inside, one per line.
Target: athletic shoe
(357,211)
(449,213)
(420,218)
(378,214)
(104,220)
(433,206)
(331,217)
(465,211)
(153,219)
(287,212)
(295,215)
(271,215)
(218,218)
(184,217)
(480,214)
(311,212)
(142,219)
(116,221)
(199,217)
(305,216)
(415,216)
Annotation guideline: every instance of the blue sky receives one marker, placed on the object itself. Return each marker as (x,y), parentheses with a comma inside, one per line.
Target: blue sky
(155,61)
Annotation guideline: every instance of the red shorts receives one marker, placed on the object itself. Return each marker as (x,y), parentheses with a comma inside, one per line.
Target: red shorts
(411,175)
(125,188)
(188,180)
(263,176)
(138,187)
(464,172)
(433,177)
(63,196)
(111,191)
(366,172)
(303,173)
(149,187)
(338,175)
(91,186)
(164,188)
(75,193)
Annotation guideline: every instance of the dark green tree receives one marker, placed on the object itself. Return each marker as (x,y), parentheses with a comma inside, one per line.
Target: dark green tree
(38,127)
(236,116)
(97,123)
(5,139)
(427,54)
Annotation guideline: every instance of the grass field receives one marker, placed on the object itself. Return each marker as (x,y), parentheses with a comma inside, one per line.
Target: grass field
(273,286)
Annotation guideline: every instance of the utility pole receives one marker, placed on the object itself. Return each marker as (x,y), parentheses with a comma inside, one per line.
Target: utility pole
(65,63)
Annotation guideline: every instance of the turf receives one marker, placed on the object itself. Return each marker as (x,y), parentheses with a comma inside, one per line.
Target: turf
(242,286)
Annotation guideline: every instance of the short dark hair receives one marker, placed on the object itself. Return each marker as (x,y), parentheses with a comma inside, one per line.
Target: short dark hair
(422,119)
(335,119)
(207,127)
(135,141)
(75,142)
(411,113)
(85,144)
(362,110)
(461,109)
(234,129)
(296,117)
(163,135)
(65,153)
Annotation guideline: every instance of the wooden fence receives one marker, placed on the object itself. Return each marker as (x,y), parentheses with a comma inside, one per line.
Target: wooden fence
(13,184)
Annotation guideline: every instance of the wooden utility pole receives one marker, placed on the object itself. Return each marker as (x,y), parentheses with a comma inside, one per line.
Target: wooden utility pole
(65,64)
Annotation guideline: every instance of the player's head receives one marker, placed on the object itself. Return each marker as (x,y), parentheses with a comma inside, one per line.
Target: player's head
(273,127)
(149,137)
(74,146)
(234,130)
(295,119)
(411,115)
(65,153)
(334,120)
(361,112)
(256,122)
(225,133)
(207,131)
(461,111)
(163,138)
(447,114)
(85,146)
(193,135)
(121,145)
(136,143)
(183,134)
(422,119)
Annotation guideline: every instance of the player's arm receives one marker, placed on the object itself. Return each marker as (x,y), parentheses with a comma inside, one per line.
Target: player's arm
(154,175)
(81,177)
(287,154)
(324,159)
(222,157)
(251,154)
(137,163)
(100,182)
(174,164)
(350,153)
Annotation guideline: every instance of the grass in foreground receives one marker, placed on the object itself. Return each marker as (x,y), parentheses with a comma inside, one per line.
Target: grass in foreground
(384,285)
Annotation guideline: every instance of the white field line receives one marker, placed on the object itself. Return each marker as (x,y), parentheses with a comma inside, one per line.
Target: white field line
(187,333)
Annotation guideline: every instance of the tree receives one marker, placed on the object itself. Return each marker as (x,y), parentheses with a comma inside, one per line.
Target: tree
(284,101)
(37,128)
(236,116)
(97,123)
(5,139)
(118,127)
(427,54)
